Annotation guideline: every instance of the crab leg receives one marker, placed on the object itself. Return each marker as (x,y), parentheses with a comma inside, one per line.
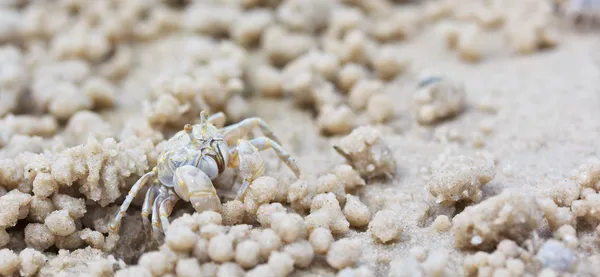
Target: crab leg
(263,143)
(245,156)
(115,224)
(238,130)
(166,207)
(148,203)
(217,119)
(155,212)
(242,191)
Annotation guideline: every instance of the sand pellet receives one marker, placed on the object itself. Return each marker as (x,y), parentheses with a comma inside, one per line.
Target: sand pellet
(211,230)
(188,268)
(263,270)
(264,214)
(336,120)
(321,239)
(156,262)
(181,239)
(380,108)
(269,241)
(362,91)
(281,263)
(60,223)
(247,253)
(386,226)
(220,248)
(230,269)
(200,250)
(233,212)
(31,261)
(344,253)
(356,212)
(38,236)
(75,206)
(350,75)
(442,223)
(289,226)
(9,262)
(301,252)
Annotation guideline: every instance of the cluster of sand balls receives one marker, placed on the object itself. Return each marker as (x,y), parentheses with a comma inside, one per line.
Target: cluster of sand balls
(466,26)
(83,262)
(519,251)
(200,245)
(37,189)
(64,60)
(461,178)
(587,205)
(588,174)
(551,258)
(213,84)
(12,78)
(55,221)
(66,87)
(507,260)
(421,263)
(340,72)
(483,225)
(326,54)
(336,57)
(26,263)
(16,128)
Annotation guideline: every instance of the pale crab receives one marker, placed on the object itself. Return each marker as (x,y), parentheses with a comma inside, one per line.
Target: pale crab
(193,158)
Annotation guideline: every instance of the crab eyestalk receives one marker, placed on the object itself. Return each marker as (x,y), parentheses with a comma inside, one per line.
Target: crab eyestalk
(204,120)
(188,129)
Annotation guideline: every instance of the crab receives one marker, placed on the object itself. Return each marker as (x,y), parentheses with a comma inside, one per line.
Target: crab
(193,158)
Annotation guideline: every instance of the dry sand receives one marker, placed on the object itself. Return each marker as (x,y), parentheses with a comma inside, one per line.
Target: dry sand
(535,115)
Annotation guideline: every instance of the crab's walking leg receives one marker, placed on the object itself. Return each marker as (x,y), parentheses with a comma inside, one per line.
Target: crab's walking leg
(148,203)
(217,119)
(263,143)
(237,131)
(166,207)
(115,224)
(242,191)
(245,156)
(162,194)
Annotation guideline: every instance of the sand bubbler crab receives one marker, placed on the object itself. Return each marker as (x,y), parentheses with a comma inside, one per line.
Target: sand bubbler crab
(193,158)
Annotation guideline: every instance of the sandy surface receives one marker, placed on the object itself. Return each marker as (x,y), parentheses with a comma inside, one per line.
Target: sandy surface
(542,109)
(545,126)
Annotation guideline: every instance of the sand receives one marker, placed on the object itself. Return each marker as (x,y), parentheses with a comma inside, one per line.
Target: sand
(535,115)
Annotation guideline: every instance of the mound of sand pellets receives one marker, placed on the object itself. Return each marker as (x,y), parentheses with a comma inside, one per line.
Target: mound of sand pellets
(434,138)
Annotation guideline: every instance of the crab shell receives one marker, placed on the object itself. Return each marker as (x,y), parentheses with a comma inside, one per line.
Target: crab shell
(207,151)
